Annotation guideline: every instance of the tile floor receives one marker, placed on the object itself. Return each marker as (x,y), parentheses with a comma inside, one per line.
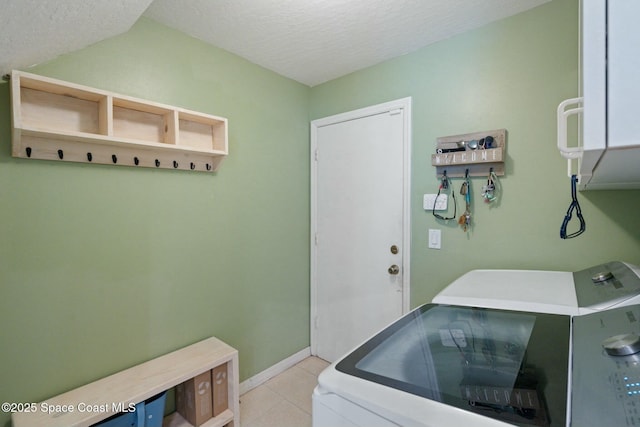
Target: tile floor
(285,400)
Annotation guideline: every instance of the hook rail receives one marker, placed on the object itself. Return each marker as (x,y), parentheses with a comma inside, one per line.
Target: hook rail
(124,156)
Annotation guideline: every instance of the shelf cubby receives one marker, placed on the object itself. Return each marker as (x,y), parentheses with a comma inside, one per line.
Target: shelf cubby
(144,122)
(197,130)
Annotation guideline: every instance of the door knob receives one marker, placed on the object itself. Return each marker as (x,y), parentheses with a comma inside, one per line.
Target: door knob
(394,269)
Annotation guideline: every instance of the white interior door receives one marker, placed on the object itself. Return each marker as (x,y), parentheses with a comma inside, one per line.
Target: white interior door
(360,225)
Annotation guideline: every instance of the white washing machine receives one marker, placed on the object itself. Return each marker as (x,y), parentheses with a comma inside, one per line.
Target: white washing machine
(502,359)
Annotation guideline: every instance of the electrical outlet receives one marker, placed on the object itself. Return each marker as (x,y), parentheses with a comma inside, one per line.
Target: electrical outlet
(430,199)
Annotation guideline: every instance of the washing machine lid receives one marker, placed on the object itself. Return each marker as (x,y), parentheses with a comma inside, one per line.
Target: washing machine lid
(595,288)
(508,365)
(524,290)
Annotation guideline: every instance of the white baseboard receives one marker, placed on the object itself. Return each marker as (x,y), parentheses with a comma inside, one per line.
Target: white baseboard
(274,370)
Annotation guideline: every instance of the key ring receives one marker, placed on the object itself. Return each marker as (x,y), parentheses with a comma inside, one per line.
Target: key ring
(489,190)
(465,189)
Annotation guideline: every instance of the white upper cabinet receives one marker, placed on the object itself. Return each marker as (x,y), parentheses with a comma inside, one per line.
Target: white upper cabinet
(609,151)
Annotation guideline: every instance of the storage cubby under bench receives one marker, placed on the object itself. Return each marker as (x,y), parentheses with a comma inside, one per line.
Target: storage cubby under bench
(139,383)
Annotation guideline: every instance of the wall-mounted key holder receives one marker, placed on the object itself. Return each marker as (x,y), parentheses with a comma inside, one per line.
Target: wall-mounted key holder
(475,154)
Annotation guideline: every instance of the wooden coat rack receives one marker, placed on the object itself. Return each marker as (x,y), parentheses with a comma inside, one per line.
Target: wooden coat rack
(56,120)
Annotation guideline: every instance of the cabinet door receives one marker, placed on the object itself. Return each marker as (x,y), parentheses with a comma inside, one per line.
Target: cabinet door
(594,78)
(623,56)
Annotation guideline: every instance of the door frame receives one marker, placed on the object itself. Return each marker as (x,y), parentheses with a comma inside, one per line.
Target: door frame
(405,105)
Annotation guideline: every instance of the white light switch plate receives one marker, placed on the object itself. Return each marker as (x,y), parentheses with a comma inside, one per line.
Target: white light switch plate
(430,199)
(435,239)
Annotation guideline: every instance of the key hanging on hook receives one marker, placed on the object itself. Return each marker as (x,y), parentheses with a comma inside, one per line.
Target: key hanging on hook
(444,181)
(465,189)
(489,190)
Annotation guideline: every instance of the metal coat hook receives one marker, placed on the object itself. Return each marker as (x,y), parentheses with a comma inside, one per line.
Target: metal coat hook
(175,164)
(466,173)
(60,154)
(208,167)
(114,158)
(28,151)
(157,163)
(136,161)
(193,166)
(89,156)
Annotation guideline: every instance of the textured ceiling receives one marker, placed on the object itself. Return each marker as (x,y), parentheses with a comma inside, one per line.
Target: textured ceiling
(34,31)
(313,41)
(310,41)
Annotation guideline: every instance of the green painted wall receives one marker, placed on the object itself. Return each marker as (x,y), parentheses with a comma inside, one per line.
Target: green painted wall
(511,74)
(103,267)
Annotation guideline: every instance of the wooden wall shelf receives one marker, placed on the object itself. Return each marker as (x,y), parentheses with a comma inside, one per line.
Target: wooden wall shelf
(56,120)
(139,383)
(477,162)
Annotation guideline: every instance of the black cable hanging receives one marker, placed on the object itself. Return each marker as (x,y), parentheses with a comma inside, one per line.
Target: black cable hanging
(445,184)
(573,206)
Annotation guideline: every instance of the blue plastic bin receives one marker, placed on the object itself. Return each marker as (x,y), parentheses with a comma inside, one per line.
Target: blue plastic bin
(147,414)
(154,410)
(125,419)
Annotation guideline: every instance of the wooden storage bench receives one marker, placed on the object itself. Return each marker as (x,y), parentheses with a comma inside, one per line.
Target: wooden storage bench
(139,383)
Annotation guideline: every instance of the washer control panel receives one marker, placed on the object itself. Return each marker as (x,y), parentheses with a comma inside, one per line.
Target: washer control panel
(605,384)
(605,285)
(622,345)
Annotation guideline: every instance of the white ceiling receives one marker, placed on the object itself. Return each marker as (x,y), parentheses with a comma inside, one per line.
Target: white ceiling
(34,31)
(310,41)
